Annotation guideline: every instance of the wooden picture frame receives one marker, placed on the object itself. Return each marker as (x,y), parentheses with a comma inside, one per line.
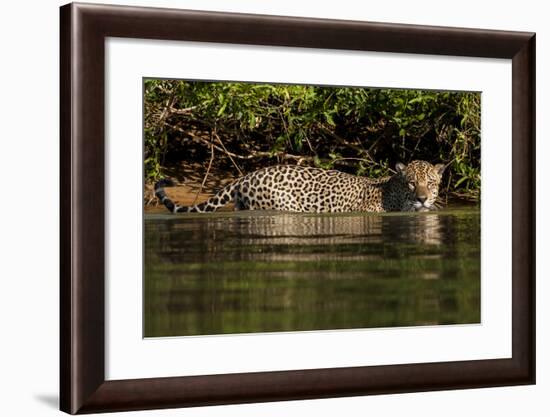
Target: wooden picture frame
(84,29)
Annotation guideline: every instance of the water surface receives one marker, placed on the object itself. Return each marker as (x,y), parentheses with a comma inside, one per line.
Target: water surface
(245,272)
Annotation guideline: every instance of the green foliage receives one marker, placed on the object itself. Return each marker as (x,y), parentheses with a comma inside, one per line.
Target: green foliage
(359,130)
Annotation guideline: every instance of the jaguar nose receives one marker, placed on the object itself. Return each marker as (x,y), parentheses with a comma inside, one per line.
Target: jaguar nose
(421,198)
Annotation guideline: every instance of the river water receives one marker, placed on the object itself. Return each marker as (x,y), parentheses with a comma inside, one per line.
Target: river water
(250,271)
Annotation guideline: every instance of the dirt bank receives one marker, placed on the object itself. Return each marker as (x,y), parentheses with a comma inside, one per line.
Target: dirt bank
(184,195)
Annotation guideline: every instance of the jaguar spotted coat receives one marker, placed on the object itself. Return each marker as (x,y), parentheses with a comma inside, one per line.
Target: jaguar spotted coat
(313,190)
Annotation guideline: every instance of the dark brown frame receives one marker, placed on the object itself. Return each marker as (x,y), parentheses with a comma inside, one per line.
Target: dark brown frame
(83,31)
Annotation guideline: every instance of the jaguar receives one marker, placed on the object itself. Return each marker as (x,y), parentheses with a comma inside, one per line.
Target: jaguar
(295,188)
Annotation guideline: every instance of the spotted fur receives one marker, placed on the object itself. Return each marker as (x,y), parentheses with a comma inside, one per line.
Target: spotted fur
(314,190)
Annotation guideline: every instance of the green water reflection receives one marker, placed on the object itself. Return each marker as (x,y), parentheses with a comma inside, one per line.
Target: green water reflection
(245,272)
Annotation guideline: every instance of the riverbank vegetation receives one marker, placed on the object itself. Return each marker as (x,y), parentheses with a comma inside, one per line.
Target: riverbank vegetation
(239,127)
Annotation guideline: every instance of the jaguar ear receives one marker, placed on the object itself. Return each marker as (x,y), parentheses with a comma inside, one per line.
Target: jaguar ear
(440,168)
(400,168)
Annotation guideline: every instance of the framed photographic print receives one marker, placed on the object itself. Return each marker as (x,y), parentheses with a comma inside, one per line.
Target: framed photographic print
(263,208)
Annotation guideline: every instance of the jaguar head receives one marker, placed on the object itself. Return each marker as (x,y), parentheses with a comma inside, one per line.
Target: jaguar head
(422,181)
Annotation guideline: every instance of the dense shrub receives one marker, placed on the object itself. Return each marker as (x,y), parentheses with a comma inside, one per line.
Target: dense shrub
(364,131)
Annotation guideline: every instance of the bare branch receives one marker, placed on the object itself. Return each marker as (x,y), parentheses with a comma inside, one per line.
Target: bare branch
(205,175)
(228,154)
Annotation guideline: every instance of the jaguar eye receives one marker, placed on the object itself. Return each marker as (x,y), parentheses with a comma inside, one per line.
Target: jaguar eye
(411,185)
